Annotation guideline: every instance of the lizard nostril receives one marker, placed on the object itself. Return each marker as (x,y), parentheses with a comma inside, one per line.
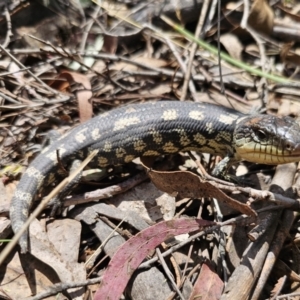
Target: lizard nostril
(288,146)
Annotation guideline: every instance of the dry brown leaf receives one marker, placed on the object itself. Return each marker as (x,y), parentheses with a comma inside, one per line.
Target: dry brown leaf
(232,45)
(185,184)
(84,93)
(44,271)
(252,49)
(288,56)
(208,285)
(261,17)
(285,49)
(15,284)
(129,256)
(110,44)
(43,249)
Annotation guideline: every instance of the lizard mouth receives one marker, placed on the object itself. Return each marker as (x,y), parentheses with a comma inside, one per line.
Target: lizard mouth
(269,154)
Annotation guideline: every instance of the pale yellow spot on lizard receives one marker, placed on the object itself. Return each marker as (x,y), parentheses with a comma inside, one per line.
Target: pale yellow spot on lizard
(130,110)
(23,196)
(183,137)
(227,119)
(107,147)
(120,152)
(129,158)
(170,148)
(157,137)
(102,161)
(170,114)
(25,213)
(35,173)
(196,115)
(139,145)
(80,137)
(150,153)
(53,155)
(223,135)
(96,134)
(209,127)
(125,122)
(200,139)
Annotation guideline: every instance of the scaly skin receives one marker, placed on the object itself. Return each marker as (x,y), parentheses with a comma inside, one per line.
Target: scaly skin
(153,129)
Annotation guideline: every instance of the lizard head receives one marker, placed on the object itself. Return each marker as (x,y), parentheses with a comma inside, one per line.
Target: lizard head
(267,139)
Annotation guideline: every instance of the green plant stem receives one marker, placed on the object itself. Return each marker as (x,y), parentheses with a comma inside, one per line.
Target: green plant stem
(225,56)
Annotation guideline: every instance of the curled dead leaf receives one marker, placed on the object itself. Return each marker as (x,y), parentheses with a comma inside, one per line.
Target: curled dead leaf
(261,17)
(188,185)
(133,252)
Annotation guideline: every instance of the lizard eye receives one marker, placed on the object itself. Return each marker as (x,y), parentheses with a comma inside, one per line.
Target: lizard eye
(261,134)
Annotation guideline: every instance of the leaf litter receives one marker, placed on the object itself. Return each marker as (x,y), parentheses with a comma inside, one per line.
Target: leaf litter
(61,67)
